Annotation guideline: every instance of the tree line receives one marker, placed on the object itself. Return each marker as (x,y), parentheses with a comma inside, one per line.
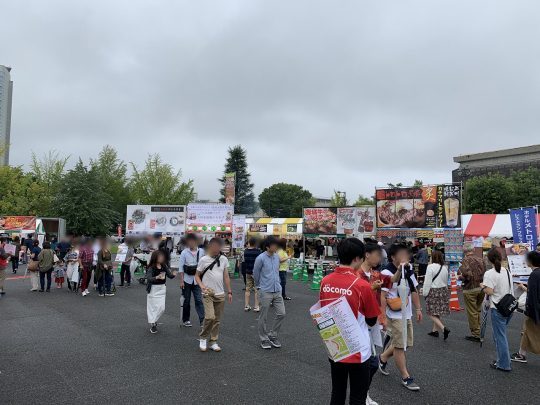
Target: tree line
(92,196)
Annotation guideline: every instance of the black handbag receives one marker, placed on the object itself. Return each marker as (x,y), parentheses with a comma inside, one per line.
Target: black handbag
(191,269)
(508,304)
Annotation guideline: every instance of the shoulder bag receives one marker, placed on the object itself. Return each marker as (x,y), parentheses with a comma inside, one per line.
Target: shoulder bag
(508,304)
(191,269)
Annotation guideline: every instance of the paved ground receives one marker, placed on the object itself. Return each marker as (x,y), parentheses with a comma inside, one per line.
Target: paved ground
(59,348)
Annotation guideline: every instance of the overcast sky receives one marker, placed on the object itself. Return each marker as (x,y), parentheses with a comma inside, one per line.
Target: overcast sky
(330,95)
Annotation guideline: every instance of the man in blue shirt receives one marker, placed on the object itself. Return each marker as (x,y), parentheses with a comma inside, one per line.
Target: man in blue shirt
(266,275)
(189,259)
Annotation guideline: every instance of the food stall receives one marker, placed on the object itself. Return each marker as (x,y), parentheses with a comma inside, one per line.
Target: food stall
(424,215)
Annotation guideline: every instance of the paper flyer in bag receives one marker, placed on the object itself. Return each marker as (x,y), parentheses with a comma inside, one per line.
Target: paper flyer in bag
(338,328)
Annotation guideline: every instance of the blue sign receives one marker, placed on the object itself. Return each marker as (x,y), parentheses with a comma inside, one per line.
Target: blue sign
(516,218)
(529,227)
(524,228)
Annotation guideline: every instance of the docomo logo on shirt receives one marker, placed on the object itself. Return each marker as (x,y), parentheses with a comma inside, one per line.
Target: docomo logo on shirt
(336,290)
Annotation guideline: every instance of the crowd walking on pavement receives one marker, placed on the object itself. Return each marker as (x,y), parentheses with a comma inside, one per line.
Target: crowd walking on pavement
(371,278)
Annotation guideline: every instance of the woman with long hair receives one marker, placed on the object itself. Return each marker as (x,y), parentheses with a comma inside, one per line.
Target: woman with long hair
(435,291)
(156,274)
(497,283)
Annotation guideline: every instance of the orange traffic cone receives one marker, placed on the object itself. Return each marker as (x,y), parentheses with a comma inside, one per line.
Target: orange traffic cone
(454,300)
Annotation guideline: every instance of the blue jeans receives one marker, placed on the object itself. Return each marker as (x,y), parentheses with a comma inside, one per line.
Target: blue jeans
(197,296)
(499,324)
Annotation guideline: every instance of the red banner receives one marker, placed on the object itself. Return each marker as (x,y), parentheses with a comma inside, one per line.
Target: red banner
(17,223)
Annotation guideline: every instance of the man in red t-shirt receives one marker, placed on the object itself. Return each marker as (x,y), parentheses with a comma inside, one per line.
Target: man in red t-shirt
(345,282)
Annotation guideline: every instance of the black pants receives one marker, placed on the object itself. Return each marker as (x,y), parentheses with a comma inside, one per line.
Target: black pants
(359,376)
(283,282)
(125,272)
(42,279)
(15,263)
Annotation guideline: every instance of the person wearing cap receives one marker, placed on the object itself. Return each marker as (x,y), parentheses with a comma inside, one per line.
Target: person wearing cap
(266,275)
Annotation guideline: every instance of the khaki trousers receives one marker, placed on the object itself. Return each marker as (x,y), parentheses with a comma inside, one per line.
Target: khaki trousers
(2,278)
(473,304)
(213,310)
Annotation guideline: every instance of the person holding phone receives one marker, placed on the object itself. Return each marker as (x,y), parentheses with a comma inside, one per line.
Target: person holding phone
(156,276)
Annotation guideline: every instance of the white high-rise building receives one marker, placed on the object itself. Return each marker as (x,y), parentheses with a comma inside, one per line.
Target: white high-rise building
(6,92)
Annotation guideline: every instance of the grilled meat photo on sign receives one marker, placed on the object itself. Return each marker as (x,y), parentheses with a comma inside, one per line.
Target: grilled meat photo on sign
(401,213)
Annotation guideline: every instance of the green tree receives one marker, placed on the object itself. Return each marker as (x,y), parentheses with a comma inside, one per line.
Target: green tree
(397,185)
(418,183)
(244,197)
(339,199)
(491,194)
(525,188)
(21,194)
(48,171)
(364,201)
(112,172)
(84,204)
(158,183)
(285,200)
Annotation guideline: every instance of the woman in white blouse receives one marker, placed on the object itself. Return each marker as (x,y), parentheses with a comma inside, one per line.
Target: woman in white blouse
(435,291)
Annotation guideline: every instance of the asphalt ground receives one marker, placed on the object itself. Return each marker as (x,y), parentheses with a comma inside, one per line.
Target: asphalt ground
(59,348)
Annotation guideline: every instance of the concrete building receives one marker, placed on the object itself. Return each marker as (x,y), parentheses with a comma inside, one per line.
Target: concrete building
(503,162)
(6,92)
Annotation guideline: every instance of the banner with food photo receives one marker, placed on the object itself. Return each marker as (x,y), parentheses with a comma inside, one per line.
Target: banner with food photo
(365,220)
(449,205)
(149,219)
(410,207)
(230,187)
(346,220)
(17,223)
(239,231)
(320,221)
(432,206)
(209,218)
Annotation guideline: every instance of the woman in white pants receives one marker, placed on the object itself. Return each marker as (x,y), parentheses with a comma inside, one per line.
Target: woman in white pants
(156,276)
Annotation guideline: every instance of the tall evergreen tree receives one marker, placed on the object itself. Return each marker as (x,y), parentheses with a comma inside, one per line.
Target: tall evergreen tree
(244,197)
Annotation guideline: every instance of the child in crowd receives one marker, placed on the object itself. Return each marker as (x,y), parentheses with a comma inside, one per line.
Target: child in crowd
(72,271)
(59,272)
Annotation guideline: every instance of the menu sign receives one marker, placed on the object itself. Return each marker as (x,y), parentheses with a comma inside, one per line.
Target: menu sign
(346,220)
(209,218)
(320,221)
(419,207)
(148,219)
(292,228)
(239,231)
(262,228)
(365,220)
(448,205)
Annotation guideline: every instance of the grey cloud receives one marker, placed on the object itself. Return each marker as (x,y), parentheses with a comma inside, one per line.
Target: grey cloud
(344,95)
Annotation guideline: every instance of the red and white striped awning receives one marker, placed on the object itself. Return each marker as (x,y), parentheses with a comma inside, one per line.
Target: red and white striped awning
(492,225)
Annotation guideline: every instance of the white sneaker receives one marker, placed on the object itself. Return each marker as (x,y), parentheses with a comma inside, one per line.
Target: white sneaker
(202,345)
(369,401)
(86,291)
(84,294)
(215,347)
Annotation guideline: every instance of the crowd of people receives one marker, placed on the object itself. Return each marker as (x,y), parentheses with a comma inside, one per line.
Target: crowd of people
(373,292)
(372,277)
